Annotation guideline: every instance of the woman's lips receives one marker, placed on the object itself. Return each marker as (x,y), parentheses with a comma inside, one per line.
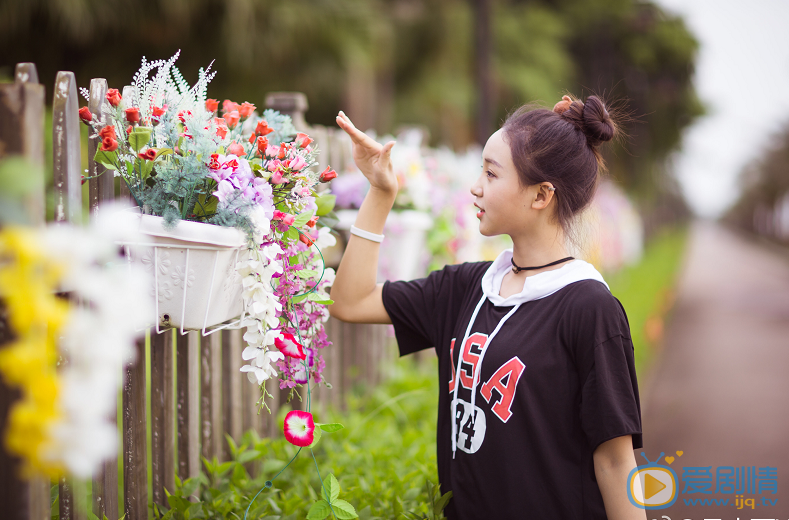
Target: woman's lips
(480,213)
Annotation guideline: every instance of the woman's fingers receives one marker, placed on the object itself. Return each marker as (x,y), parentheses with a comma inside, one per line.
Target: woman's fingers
(357,135)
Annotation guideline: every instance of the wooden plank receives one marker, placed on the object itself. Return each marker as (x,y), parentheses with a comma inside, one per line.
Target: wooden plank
(105,483)
(22,133)
(232,381)
(159,426)
(169,409)
(217,427)
(210,397)
(101,188)
(66,155)
(135,457)
(26,73)
(187,395)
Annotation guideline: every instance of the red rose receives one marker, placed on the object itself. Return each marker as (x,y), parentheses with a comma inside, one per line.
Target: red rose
(212,105)
(232,118)
(229,106)
(283,151)
(114,97)
(314,220)
(304,238)
(236,149)
(108,144)
(246,109)
(262,144)
(159,112)
(107,131)
(129,129)
(302,140)
(149,154)
(214,164)
(85,115)
(262,128)
(252,138)
(133,115)
(328,174)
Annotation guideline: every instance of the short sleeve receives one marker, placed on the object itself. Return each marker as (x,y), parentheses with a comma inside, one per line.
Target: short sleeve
(610,405)
(422,310)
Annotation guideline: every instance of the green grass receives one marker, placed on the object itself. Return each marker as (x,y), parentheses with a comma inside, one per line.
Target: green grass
(647,290)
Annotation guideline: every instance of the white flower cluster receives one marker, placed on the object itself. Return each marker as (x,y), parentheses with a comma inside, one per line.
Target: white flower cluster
(261,305)
(111,308)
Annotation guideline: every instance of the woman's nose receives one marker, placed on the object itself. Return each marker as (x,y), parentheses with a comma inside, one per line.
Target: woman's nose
(475,189)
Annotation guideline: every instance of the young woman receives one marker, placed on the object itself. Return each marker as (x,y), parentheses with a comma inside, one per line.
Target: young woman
(539,411)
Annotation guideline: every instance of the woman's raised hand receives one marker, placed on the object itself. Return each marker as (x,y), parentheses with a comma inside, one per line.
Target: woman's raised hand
(372,158)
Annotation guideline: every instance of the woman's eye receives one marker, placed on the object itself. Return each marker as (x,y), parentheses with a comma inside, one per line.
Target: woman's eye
(490,174)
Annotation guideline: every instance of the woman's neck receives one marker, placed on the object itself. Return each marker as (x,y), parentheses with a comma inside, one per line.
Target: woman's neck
(539,249)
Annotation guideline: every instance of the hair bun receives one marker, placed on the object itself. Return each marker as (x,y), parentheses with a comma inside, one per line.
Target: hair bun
(597,123)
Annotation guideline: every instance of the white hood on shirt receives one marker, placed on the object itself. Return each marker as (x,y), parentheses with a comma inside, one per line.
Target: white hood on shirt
(536,286)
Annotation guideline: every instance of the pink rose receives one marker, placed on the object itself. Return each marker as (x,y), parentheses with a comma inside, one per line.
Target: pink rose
(246,109)
(232,118)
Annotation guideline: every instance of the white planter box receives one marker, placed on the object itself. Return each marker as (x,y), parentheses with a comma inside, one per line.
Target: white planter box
(403,254)
(194,269)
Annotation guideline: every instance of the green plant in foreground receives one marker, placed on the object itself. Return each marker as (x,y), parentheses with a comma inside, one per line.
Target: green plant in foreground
(383,461)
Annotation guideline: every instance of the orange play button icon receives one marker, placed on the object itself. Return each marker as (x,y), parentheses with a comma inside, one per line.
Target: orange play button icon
(652,486)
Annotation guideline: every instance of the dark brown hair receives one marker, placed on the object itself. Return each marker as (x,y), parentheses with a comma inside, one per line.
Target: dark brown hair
(560,146)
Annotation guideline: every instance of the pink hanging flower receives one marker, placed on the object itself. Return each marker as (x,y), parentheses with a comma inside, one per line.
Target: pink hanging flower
(299,428)
(288,345)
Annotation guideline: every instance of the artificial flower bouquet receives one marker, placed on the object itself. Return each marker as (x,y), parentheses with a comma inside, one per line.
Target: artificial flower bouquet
(185,160)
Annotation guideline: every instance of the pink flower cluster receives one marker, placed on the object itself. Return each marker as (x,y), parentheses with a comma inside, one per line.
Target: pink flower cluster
(233,173)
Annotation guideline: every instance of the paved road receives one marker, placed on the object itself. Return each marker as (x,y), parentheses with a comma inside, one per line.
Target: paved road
(719,391)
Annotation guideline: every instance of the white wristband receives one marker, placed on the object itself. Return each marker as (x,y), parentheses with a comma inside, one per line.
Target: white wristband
(366,234)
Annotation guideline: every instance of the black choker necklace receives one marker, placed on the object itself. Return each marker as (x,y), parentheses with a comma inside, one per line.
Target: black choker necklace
(516,269)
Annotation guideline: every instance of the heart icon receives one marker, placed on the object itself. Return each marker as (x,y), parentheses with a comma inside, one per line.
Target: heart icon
(679,453)
(669,459)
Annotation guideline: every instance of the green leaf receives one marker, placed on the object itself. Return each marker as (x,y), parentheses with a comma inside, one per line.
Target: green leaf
(303,218)
(319,510)
(442,502)
(317,298)
(147,168)
(325,204)
(307,274)
(343,510)
(161,152)
(224,467)
(316,436)
(178,503)
(139,138)
(106,159)
(190,486)
(291,235)
(249,456)
(293,260)
(203,208)
(331,427)
(331,489)
(195,511)
(232,444)
(300,298)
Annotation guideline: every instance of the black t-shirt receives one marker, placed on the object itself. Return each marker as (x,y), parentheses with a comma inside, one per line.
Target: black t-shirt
(558,381)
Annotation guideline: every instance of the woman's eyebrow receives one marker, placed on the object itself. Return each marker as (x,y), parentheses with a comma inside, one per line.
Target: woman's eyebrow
(494,163)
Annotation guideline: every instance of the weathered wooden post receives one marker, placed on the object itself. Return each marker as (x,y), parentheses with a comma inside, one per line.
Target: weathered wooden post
(22,134)
(100,190)
(66,164)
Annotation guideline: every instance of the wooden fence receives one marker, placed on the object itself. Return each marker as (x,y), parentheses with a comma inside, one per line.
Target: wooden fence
(197,393)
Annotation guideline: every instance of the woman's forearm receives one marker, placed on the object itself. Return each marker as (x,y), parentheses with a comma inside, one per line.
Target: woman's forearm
(613,462)
(356,275)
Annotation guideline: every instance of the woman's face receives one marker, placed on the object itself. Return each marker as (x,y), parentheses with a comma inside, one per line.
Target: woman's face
(501,200)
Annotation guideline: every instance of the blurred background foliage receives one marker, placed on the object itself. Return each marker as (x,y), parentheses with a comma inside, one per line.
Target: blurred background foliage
(455,67)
